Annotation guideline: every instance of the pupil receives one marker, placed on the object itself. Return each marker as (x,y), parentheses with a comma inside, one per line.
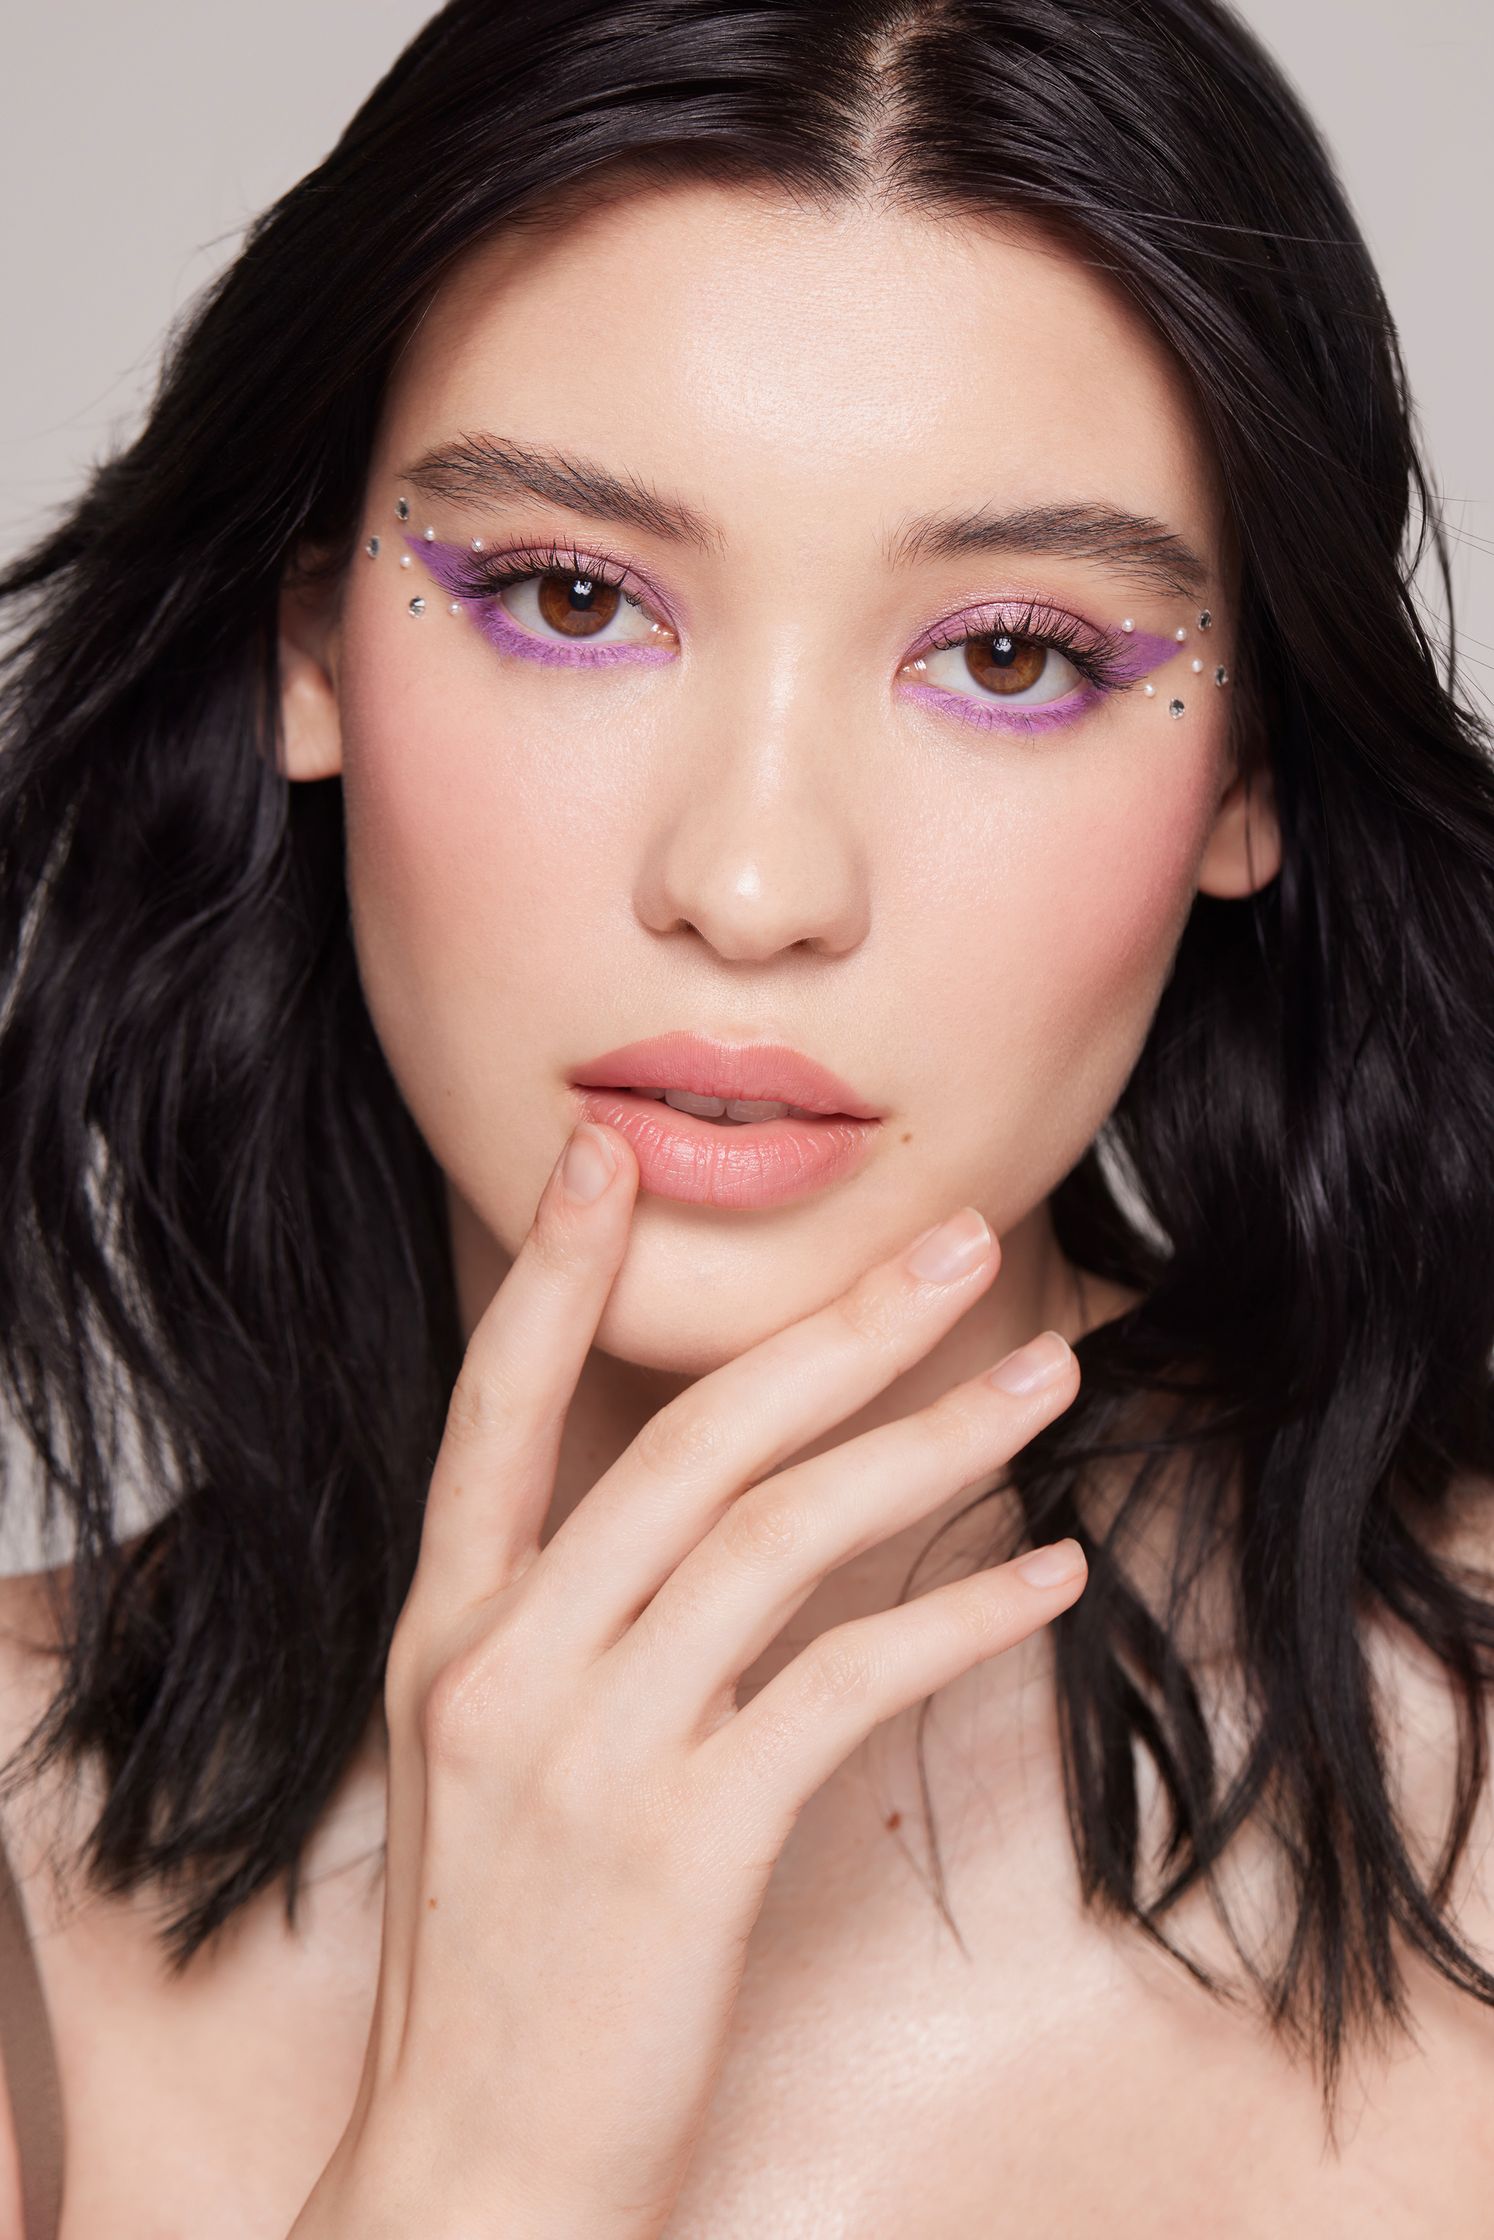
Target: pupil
(582,593)
(1003,652)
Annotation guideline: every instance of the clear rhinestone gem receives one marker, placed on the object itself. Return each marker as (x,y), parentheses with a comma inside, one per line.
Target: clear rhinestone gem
(1174,707)
(1205,619)
(1221,676)
(417,606)
(402,508)
(372,548)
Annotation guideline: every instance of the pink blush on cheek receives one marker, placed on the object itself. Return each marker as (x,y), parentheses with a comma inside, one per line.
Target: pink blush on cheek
(1127,879)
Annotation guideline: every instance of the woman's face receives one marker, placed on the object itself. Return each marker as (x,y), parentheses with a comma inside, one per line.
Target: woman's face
(746,810)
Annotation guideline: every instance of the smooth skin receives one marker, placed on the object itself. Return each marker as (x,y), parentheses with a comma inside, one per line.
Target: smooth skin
(566,1752)
(653,1901)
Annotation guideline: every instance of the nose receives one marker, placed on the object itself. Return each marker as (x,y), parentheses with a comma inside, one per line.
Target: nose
(760,845)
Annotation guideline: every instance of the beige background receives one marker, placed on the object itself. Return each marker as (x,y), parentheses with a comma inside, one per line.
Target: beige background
(140,135)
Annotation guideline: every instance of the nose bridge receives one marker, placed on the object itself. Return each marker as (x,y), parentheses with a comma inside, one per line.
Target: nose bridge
(759,842)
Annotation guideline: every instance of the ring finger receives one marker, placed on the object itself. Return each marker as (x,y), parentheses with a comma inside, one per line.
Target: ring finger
(739,1586)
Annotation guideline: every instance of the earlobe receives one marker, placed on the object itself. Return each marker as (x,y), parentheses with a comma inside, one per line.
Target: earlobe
(1244,848)
(310,719)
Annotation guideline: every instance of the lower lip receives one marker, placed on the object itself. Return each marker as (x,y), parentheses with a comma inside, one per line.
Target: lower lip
(704,1162)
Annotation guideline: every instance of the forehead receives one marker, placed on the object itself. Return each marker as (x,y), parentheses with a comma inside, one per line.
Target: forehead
(747,350)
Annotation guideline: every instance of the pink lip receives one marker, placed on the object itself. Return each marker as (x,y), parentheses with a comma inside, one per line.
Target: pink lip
(701,1162)
(761,1072)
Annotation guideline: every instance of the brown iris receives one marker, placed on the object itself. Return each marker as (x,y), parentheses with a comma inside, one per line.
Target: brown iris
(577,605)
(1003,663)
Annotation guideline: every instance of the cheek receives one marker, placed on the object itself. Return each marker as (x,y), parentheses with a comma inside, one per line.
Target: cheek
(1063,921)
(469,863)
(1112,890)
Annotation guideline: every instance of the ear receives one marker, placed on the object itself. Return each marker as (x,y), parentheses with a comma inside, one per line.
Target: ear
(310,719)
(1243,852)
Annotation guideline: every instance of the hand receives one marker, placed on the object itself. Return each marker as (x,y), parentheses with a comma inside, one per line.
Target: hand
(582,1820)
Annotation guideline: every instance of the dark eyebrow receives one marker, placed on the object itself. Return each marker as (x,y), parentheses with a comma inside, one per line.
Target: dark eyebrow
(1133,546)
(492,467)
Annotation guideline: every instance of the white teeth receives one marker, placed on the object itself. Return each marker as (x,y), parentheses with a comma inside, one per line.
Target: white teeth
(742,1110)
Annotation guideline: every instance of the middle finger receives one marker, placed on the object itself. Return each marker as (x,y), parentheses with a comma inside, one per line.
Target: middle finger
(670,1485)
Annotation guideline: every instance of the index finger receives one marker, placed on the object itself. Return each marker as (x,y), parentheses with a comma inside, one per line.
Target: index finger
(494,1473)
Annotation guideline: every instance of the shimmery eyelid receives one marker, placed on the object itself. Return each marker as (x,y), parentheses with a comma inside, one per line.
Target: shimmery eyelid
(1129,657)
(635,579)
(451,566)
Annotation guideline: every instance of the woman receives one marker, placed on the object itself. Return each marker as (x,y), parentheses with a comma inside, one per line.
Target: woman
(845,559)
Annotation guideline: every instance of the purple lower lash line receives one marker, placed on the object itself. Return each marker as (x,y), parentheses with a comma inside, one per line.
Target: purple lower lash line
(990,715)
(451,565)
(1135,656)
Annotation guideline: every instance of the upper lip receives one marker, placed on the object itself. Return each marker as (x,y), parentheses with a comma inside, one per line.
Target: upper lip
(757,1072)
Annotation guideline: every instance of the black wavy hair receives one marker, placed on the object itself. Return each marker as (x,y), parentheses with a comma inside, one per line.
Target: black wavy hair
(217,1218)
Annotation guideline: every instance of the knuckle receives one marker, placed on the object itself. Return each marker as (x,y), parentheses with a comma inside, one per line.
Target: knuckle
(665,1814)
(678,1442)
(483,1402)
(959,1428)
(557,1247)
(841,1667)
(980,1613)
(456,1712)
(764,1528)
(875,1315)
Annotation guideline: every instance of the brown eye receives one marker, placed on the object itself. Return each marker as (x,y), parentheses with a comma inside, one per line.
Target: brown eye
(1002,663)
(578,606)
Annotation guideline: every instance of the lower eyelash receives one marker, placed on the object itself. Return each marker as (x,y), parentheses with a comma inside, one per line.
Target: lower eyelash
(1101,665)
(990,715)
(481,579)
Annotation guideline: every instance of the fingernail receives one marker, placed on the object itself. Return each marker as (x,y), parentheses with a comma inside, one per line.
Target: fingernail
(1050,1566)
(588,1166)
(951,1250)
(1033,1365)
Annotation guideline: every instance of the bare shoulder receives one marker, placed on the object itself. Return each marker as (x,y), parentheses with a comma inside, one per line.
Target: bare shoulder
(1422,1717)
(28,1679)
(30,1632)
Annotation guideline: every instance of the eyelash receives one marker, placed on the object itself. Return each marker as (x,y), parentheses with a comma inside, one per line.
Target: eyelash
(1097,659)
(485,575)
